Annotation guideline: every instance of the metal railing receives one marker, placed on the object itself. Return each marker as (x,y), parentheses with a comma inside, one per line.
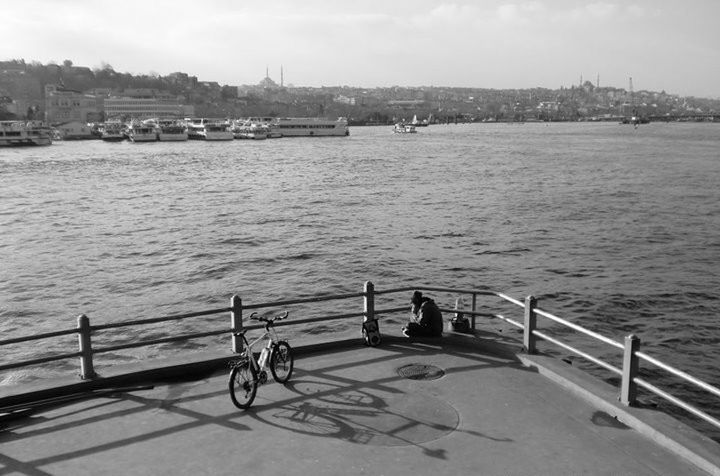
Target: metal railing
(630,381)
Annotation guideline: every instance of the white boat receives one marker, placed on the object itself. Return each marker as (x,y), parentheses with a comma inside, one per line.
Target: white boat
(205,129)
(218,131)
(401,128)
(195,128)
(251,130)
(18,133)
(113,132)
(142,133)
(308,126)
(172,131)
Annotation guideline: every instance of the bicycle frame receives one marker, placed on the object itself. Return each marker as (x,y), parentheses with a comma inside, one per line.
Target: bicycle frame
(247,347)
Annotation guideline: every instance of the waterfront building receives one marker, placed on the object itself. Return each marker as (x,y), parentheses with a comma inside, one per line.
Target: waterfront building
(63,105)
(143,107)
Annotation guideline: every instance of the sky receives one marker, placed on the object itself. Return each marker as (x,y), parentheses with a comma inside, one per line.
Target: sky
(663,45)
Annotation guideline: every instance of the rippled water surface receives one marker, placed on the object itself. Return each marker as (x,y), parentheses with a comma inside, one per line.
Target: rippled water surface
(609,226)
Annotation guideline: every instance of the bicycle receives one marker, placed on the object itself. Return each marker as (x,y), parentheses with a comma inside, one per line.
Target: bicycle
(248,372)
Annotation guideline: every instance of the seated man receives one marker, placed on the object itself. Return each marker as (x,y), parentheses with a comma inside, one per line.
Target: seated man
(427,319)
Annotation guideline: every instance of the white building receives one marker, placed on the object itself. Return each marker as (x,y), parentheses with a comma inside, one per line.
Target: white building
(145,107)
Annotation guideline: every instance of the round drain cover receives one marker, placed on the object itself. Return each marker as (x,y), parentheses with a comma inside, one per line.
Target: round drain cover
(420,372)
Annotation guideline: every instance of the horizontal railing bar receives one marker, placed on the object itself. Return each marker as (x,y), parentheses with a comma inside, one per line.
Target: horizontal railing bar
(395,290)
(392,310)
(457,290)
(474,313)
(580,329)
(42,360)
(511,299)
(467,311)
(679,373)
(436,289)
(317,319)
(578,352)
(677,401)
(47,335)
(159,319)
(302,301)
(509,321)
(164,340)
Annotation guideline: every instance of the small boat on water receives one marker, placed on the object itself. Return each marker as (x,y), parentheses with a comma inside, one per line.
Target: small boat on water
(19,133)
(402,128)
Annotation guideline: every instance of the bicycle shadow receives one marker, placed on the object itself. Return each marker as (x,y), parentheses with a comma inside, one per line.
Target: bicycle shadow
(333,402)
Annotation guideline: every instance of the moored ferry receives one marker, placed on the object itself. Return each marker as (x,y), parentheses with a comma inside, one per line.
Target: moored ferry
(113,132)
(19,133)
(251,130)
(218,131)
(172,131)
(142,133)
(308,126)
(208,129)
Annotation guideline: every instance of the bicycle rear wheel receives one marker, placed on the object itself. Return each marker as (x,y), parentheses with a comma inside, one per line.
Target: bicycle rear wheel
(281,361)
(243,384)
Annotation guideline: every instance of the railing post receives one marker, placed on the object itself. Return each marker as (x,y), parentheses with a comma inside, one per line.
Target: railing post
(628,390)
(530,325)
(370,327)
(369,307)
(86,354)
(236,323)
(474,307)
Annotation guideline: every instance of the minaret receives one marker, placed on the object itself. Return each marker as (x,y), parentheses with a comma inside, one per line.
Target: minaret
(281,76)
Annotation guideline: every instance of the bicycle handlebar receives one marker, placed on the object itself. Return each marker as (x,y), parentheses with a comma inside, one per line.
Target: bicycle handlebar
(269,320)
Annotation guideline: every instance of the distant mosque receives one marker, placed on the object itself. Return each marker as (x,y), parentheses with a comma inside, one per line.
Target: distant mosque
(268,83)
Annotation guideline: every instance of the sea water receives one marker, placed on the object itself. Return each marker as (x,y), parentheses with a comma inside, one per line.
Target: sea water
(609,226)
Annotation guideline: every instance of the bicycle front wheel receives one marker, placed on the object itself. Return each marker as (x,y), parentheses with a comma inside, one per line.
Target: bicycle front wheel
(281,361)
(243,385)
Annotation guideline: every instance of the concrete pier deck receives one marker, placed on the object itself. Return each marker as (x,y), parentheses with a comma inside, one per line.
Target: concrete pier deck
(478,408)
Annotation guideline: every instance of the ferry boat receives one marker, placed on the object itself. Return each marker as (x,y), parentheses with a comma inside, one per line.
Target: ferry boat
(19,133)
(142,133)
(206,129)
(252,131)
(172,131)
(218,131)
(308,126)
(195,128)
(113,132)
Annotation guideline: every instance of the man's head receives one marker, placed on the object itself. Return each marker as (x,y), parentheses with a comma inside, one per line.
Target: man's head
(416,301)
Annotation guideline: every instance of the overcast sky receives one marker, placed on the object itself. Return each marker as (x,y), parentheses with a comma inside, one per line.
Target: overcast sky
(671,45)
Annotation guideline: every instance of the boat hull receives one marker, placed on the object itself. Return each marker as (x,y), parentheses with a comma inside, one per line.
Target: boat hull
(18,134)
(172,137)
(308,127)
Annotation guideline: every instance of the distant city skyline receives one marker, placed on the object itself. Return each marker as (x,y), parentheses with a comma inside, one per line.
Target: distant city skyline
(665,45)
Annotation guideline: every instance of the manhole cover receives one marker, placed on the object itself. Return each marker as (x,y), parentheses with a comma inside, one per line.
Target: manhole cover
(420,372)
